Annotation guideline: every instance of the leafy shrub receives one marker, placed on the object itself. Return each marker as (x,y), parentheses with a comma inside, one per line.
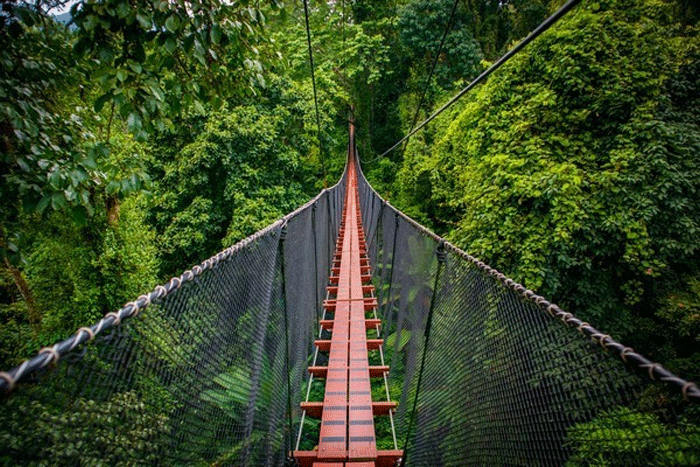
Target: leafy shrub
(624,437)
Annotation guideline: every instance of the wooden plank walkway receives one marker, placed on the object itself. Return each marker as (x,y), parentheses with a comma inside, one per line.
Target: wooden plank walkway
(347,435)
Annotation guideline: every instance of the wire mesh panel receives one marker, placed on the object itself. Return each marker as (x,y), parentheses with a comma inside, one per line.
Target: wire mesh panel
(491,374)
(202,374)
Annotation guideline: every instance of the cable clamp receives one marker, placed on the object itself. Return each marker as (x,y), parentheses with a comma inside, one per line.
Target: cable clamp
(117,318)
(161,292)
(651,367)
(146,298)
(625,352)
(441,253)
(88,331)
(135,308)
(283,231)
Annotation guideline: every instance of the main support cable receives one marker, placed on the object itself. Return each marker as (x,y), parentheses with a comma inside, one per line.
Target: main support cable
(549,22)
(432,71)
(313,85)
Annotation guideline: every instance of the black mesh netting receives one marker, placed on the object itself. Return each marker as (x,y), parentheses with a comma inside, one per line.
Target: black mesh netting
(213,370)
(507,377)
(199,377)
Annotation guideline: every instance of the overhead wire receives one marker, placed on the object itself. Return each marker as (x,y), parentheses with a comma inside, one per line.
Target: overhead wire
(313,85)
(432,71)
(545,25)
(426,85)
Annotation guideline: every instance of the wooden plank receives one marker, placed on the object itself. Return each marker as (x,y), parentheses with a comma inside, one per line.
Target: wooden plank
(325,345)
(362,445)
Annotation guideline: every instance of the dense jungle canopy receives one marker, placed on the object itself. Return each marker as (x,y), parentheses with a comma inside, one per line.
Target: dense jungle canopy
(145,136)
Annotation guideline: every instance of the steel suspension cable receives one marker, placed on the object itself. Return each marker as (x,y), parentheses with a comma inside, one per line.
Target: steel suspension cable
(313,85)
(432,71)
(545,25)
(344,49)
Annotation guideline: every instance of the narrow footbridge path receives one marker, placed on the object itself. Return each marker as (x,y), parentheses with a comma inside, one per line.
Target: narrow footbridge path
(347,435)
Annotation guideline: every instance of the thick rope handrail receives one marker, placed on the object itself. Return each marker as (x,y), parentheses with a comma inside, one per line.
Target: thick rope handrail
(49,355)
(654,371)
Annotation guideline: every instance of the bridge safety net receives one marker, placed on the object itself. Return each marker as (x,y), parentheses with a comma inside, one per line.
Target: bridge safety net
(202,371)
(210,368)
(489,373)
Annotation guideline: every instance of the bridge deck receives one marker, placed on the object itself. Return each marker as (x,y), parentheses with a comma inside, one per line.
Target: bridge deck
(347,436)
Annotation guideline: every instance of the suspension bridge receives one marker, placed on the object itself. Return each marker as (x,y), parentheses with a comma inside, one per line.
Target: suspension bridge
(345,334)
(342,334)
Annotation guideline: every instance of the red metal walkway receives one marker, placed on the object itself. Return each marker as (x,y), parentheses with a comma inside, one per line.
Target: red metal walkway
(347,436)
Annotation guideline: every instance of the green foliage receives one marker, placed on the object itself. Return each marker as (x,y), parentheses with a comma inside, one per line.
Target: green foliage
(48,157)
(624,437)
(15,327)
(128,259)
(62,274)
(78,273)
(420,27)
(135,67)
(497,25)
(681,309)
(354,64)
(247,167)
(192,52)
(116,432)
(572,170)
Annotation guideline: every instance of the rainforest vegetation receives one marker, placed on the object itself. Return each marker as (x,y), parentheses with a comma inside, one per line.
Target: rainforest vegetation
(143,137)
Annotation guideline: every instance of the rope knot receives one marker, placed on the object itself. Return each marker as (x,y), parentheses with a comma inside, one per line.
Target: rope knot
(686,387)
(52,353)
(9,380)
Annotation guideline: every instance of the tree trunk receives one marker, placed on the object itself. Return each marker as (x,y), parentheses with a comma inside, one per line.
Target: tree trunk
(32,313)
